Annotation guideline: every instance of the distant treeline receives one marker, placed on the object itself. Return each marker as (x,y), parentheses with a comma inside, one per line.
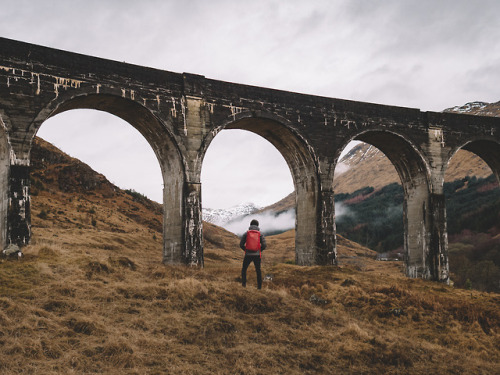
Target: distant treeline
(374,218)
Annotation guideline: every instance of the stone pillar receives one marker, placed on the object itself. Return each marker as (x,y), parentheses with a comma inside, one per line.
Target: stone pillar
(426,241)
(306,223)
(438,246)
(193,253)
(326,249)
(173,225)
(416,232)
(19,214)
(4,187)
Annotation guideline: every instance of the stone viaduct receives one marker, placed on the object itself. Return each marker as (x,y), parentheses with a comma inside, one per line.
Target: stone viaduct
(180,114)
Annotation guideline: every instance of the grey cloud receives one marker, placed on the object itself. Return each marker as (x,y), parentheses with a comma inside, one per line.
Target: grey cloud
(482,83)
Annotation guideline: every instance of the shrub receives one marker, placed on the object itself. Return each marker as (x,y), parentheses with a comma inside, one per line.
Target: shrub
(136,195)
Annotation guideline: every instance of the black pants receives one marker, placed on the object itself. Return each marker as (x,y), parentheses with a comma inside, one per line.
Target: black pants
(246,262)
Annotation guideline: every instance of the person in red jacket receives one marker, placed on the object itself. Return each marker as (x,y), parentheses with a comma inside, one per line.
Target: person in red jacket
(253,243)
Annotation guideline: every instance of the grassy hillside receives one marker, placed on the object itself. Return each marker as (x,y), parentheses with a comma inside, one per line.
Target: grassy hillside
(92,296)
(374,218)
(75,304)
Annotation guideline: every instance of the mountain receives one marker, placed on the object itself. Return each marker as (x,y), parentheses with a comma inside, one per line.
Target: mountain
(477,108)
(80,191)
(367,163)
(222,216)
(91,296)
(472,108)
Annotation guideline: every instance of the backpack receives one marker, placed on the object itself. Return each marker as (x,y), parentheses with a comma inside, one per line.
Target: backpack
(253,240)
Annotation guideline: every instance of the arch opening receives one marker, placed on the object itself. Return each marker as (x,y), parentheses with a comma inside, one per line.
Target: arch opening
(164,148)
(489,151)
(404,157)
(304,177)
(472,193)
(244,177)
(369,202)
(416,206)
(110,146)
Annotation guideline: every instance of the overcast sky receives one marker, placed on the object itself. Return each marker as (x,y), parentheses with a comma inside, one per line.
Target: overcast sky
(424,54)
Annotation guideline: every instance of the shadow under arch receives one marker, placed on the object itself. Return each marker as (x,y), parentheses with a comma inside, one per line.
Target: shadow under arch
(487,149)
(424,243)
(473,207)
(164,147)
(406,158)
(303,168)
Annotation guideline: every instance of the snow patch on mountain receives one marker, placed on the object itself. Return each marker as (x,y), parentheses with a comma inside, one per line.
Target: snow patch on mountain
(467,107)
(221,216)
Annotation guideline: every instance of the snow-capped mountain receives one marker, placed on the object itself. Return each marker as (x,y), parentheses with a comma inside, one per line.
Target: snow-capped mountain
(467,107)
(477,108)
(222,216)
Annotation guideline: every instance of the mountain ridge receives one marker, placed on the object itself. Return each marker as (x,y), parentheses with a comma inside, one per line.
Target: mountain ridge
(477,108)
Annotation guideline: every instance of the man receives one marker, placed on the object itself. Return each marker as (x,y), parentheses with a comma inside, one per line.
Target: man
(253,243)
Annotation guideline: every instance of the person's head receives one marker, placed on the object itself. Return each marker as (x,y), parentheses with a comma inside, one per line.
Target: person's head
(254,222)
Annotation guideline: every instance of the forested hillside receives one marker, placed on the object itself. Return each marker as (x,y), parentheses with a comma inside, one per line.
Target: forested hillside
(374,218)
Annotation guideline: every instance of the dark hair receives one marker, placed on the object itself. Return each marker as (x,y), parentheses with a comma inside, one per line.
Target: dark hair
(254,222)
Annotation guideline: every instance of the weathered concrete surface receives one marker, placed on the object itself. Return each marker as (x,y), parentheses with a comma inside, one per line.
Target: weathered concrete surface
(180,114)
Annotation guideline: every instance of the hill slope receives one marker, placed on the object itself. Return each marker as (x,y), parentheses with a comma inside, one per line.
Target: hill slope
(93,297)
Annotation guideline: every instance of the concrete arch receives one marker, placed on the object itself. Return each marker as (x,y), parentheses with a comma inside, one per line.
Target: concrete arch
(164,146)
(406,156)
(303,167)
(425,240)
(487,149)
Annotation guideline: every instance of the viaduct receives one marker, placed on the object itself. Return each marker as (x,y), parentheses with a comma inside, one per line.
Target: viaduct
(180,114)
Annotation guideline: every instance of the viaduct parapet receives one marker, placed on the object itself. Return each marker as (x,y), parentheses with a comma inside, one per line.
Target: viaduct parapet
(180,114)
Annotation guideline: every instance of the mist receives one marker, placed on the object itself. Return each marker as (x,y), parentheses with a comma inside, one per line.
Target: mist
(269,222)
(341,210)
(341,168)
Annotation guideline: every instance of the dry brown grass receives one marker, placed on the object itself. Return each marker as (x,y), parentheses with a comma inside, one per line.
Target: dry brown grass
(96,299)
(93,300)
